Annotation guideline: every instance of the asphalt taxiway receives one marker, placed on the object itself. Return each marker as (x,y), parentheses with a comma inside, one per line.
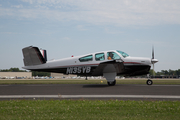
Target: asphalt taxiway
(82,91)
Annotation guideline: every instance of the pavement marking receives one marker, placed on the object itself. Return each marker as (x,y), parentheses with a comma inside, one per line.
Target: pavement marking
(90,96)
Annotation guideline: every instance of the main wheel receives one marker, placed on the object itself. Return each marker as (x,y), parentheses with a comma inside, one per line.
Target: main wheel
(149,82)
(112,83)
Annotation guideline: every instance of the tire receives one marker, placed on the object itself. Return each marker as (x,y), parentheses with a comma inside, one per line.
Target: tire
(149,82)
(112,83)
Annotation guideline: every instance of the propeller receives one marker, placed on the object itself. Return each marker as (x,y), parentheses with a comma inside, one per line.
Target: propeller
(153,61)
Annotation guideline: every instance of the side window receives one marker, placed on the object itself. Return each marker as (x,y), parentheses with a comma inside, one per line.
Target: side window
(99,56)
(86,58)
(113,56)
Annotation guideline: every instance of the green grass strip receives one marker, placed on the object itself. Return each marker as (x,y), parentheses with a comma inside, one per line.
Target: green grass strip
(89,109)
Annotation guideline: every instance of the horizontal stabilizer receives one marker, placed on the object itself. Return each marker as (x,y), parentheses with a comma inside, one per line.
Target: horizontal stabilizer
(32,56)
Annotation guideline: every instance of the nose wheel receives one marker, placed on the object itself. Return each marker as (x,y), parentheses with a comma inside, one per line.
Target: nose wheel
(149,82)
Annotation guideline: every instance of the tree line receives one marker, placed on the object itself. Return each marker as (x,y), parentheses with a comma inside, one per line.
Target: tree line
(34,73)
(12,70)
(166,72)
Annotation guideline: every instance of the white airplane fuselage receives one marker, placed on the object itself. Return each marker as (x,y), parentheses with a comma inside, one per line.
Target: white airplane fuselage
(105,63)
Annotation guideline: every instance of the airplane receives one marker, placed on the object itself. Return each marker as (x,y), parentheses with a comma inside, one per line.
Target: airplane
(109,64)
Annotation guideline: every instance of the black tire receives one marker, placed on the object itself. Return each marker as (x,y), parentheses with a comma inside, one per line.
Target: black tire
(149,82)
(112,83)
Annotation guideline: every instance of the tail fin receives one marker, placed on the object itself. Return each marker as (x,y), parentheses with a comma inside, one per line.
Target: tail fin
(32,56)
(44,54)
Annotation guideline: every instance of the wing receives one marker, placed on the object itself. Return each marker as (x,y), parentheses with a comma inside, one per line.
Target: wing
(109,67)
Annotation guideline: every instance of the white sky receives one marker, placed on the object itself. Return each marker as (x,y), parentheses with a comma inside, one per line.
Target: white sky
(75,27)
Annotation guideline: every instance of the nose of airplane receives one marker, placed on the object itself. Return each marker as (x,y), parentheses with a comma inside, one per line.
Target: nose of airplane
(154,61)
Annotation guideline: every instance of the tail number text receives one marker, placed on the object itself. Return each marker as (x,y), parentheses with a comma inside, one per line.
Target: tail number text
(74,70)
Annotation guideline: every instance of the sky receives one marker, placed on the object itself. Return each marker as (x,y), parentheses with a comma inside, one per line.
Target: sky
(76,27)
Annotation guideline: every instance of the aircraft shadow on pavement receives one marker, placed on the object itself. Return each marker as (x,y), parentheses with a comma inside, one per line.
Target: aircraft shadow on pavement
(95,86)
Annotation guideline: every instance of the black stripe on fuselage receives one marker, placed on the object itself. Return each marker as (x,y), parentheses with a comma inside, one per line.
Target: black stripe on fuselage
(129,70)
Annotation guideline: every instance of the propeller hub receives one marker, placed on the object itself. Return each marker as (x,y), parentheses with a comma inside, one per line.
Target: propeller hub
(154,61)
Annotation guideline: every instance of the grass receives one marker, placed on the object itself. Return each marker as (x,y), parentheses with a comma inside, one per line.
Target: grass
(89,109)
(101,81)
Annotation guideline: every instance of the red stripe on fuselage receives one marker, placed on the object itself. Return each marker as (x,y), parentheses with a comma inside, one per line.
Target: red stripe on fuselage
(131,63)
(75,65)
(90,65)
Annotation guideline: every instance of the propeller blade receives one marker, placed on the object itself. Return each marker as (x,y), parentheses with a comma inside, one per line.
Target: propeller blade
(153,70)
(153,52)
(153,61)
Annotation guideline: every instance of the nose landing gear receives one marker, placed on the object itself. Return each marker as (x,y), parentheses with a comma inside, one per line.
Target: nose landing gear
(149,82)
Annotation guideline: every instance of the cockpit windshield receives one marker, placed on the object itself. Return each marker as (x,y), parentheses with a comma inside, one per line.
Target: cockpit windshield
(123,53)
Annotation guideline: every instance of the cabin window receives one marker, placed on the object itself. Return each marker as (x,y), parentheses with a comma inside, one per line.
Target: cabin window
(86,58)
(113,56)
(99,56)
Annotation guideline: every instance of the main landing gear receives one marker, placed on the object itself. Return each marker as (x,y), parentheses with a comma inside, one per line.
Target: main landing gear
(112,83)
(110,77)
(149,82)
